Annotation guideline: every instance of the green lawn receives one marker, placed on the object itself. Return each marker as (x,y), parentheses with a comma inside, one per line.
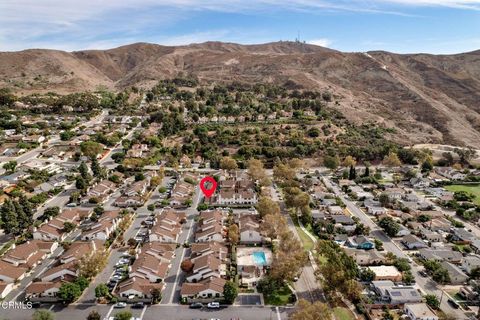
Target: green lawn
(306,240)
(471,188)
(278,298)
(341,313)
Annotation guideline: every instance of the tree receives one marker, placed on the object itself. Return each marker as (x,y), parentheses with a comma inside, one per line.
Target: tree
(441,275)
(43,314)
(282,172)
(230,292)
(83,169)
(94,315)
(68,226)
(186,265)
(432,301)
(10,166)
(408,277)
(228,163)
(352,175)
(349,161)
(91,149)
(392,160)
(266,205)
(51,212)
(123,315)
(233,234)
(256,169)
(465,155)
(8,216)
(402,264)
(311,311)
(156,295)
(95,166)
(427,166)
(101,290)
(331,162)
(273,225)
(390,226)
(384,199)
(89,266)
(367,275)
(80,183)
(69,292)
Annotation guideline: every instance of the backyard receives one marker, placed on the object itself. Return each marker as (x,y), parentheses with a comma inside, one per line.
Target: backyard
(470,188)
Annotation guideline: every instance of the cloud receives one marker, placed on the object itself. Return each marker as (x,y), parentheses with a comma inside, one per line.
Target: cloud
(323,42)
(77,24)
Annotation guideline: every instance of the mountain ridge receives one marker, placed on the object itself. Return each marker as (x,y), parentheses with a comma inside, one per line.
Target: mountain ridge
(427,98)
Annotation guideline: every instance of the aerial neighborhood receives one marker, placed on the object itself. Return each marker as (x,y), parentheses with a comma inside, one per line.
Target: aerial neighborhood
(107,209)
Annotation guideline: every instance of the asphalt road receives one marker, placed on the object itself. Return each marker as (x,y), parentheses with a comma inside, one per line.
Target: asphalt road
(156,312)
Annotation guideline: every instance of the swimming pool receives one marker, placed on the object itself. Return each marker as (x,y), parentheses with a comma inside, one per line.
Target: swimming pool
(259,258)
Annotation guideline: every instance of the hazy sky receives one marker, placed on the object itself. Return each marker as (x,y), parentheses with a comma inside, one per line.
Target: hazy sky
(433,26)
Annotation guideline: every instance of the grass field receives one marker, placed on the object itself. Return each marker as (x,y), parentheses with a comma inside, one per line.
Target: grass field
(341,313)
(471,188)
(306,240)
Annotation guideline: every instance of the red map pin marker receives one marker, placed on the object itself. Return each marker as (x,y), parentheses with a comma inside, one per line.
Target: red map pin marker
(212,186)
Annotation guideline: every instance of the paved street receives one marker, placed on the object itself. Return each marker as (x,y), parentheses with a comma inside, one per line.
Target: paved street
(307,286)
(157,312)
(171,293)
(425,284)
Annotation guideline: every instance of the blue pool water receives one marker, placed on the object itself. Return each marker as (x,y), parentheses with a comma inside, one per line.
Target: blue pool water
(259,258)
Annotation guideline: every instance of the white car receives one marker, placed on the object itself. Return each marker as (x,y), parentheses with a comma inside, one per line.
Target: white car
(119,305)
(213,305)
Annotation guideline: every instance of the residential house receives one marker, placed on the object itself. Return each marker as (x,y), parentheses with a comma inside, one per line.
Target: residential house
(61,272)
(10,273)
(461,235)
(215,249)
(376,211)
(37,291)
(107,223)
(208,290)
(29,254)
(249,229)
(366,258)
(79,249)
(167,226)
(206,267)
(52,230)
(210,226)
(128,202)
(419,311)
(396,295)
(411,242)
(137,289)
(441,255)
(360,242)
(164,252)
(471,262)
(5,289)
(149,267)
(386,273)
(457,276)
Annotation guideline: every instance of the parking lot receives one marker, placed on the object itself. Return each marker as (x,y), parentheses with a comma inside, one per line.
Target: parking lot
(249,300)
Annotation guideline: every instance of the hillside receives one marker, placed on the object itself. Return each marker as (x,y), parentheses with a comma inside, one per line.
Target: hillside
(427,98)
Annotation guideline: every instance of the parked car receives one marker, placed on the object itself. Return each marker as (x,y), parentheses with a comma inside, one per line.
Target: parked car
(453,303)
(423,273)
(213,305)
(36,304)
(196,305)
(138,305)
(71,204)
(119,305)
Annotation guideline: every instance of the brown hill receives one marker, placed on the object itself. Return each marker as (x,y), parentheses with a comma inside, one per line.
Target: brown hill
(427,98)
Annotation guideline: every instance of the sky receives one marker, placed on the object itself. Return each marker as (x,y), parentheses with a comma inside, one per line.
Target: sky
(403,26)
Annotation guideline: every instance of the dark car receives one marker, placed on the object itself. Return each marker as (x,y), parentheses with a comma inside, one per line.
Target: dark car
(453,304)
(196,305)
(423,274)
(36,304)
(138,305)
